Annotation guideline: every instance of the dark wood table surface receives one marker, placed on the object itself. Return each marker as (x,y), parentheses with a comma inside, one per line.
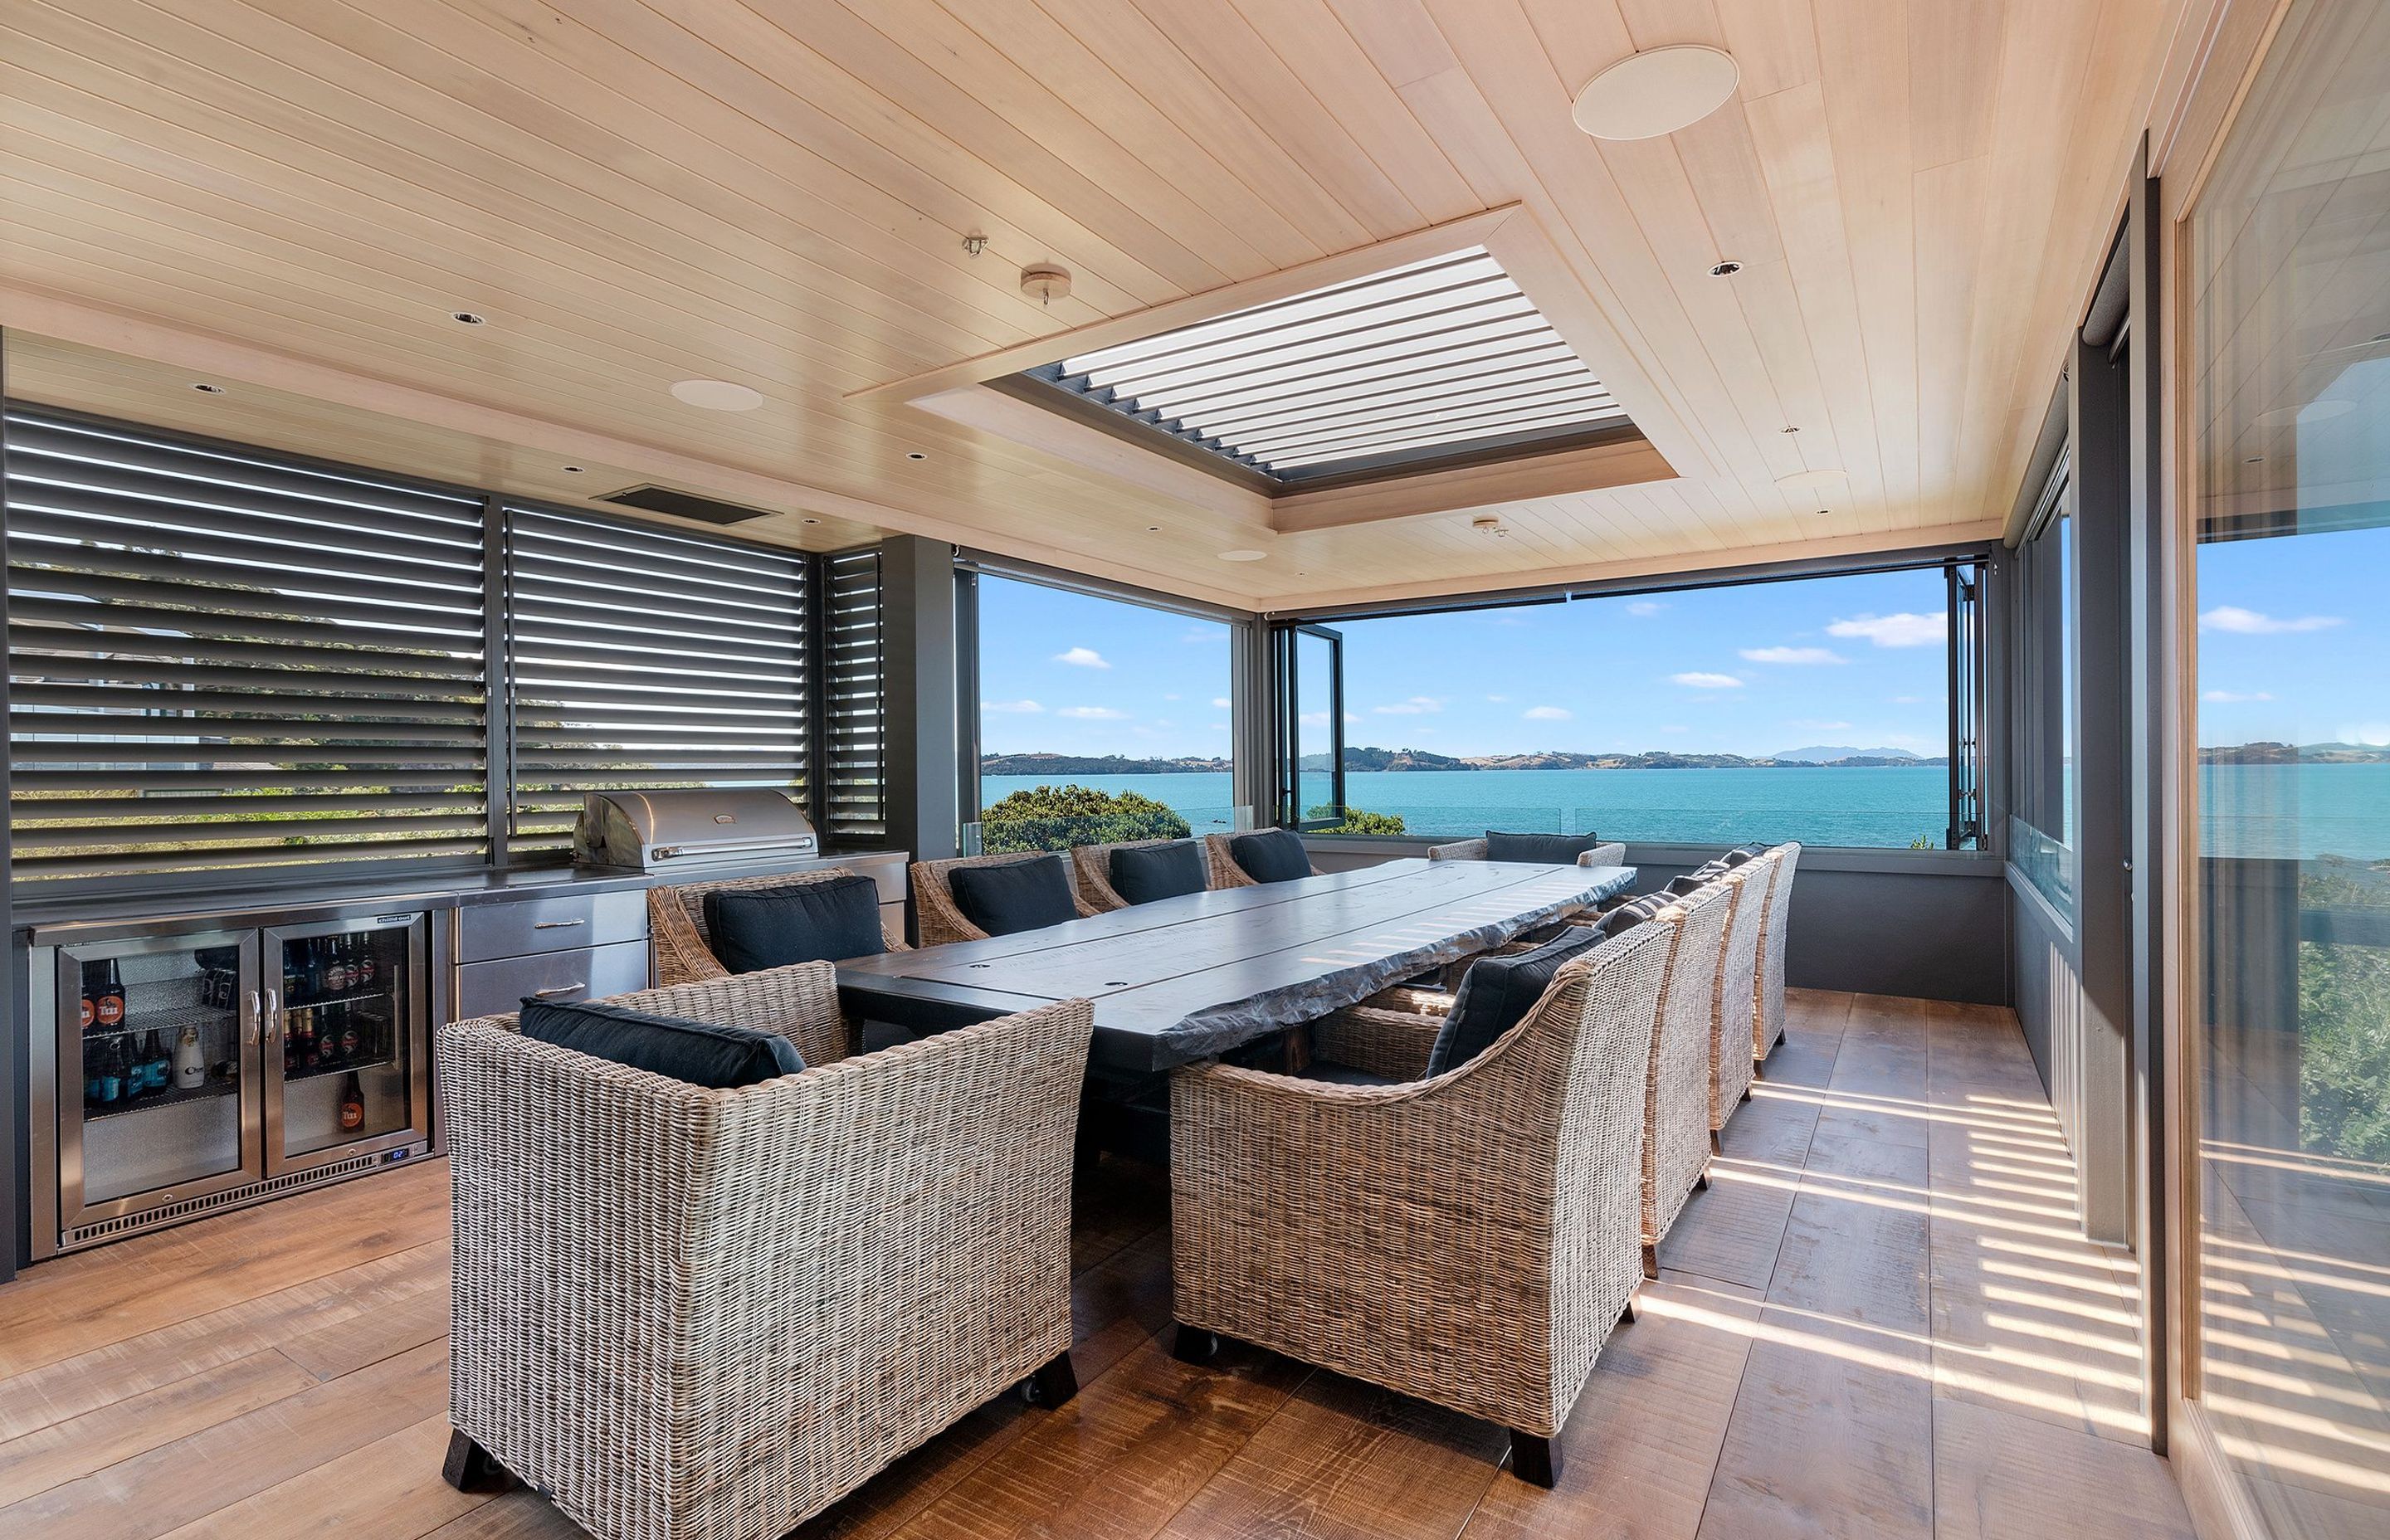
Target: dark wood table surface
(1183,979)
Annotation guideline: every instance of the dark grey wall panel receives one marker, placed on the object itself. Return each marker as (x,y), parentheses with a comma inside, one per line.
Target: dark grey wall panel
(1875,923)
(2043,976)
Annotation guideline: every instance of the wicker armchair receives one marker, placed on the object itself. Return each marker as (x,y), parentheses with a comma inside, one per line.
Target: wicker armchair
(1767,1016)
(1091,865)
(1469,1240)
(1611,854)
(685,1313)
(1735,999)
(941,920)
(1223,867)
(676,923)
(1676,1083)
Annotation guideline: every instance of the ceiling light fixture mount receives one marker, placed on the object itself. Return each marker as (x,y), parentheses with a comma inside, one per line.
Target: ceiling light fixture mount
(716,396)
(915,454)
(1487,523)
(1656,92)
(1046,282)
(974,245)
(1726,269)
(574,469)
(468,318)
(207,390)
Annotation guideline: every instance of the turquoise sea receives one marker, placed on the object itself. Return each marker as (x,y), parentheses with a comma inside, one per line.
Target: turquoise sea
(2287,812)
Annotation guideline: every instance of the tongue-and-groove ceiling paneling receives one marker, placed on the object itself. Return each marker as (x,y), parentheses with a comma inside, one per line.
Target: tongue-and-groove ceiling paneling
(292,195)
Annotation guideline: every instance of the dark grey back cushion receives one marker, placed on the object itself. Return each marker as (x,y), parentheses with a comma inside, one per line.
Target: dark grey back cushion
(1741,854)
(1144,873)
(1010,896)
(1497,993)
(1272,856)
(701,1053)
(1548,849)
(752,928)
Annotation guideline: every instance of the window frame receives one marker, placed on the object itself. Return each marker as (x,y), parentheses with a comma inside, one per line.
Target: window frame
(1967,659)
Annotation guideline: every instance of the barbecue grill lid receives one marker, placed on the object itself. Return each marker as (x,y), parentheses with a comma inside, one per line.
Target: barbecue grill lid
(630,828)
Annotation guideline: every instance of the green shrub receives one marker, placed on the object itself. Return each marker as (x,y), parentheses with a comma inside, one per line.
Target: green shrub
(1055,817)
(1356,821)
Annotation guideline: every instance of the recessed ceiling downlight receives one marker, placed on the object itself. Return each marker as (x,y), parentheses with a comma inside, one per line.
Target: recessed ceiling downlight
(1657,91)
(716,396)
(1244,556)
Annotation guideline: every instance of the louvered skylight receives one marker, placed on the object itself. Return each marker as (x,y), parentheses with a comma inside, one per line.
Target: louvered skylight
(1439,358)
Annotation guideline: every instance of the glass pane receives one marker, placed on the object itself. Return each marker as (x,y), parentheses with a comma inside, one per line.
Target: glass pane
(161,1066)
(2291,403)
(346,1004)
(1814,710)
(1314,727)
(1099,720)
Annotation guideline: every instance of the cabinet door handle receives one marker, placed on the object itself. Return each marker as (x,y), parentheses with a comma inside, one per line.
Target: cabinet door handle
(256,1015)
(557,924)
(559,989)
(273,1014)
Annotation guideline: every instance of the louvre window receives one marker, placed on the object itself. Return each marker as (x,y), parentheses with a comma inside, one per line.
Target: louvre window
(1438,358)
(645,657)
(855,801)
(222,660)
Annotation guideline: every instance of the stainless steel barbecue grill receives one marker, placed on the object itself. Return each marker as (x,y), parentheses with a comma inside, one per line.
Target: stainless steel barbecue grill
(665,832)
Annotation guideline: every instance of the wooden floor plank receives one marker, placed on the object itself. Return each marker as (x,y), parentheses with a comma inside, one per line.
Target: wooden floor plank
(1879,1321)
(192,1477)
(1342,1461)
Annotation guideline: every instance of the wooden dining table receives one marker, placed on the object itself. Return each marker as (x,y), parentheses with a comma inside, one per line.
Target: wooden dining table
(1192,977)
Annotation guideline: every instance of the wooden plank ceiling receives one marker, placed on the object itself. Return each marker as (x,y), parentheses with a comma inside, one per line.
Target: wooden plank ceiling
(291,196)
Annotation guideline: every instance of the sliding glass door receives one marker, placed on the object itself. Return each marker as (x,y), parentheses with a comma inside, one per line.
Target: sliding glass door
(2287,395)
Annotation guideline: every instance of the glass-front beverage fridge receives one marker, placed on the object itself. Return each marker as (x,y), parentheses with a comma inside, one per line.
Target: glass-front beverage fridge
(195,1070)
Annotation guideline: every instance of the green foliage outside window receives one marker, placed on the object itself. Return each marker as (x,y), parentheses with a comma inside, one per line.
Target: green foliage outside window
(1357,821)
(2345,1028)
(1055,817)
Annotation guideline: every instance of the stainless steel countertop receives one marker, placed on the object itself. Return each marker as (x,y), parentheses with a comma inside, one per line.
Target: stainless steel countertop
(51,919)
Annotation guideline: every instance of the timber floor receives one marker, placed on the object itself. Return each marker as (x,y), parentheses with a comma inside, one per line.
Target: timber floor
(1879,1320)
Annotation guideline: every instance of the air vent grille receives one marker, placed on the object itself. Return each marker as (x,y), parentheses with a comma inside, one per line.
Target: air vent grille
(683,504)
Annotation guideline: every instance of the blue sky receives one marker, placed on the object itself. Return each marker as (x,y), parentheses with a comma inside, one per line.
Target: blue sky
(2291,636)
(1852,661)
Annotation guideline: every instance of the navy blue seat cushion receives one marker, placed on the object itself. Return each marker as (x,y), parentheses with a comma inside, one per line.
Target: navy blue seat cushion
(1010,896)
(752,928)
(1689,883)
(1741,854)
(1548,849)
(1497,993)
(698,1052)
(1272,856)
(1148,872)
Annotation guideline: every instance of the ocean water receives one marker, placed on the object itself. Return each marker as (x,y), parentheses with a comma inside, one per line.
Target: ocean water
(2282,812)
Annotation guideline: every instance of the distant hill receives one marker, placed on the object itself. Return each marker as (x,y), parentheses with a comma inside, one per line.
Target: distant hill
(1107,765)
(1836,756)
(2286,753)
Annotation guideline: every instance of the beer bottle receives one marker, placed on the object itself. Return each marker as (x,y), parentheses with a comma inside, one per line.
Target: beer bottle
(113,1068)
(108,1008)
(190,1062)
(352,1103)
(90,995)
(336,966)
(157,1065)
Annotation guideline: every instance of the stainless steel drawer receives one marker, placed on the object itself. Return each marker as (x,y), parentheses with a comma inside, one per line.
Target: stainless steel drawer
(551,924)
(584,973)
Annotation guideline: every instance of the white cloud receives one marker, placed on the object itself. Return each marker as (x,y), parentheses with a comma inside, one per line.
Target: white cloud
(1313,718)
(1352,719)
(2374,735)
(1901,629)
(1645,607)
(2234,697)
(1092,713)
(1498,700)
(1700,681)
(1416,705)
(1221,701)
(1082,657)
(2249,622)
(1170,697)
(1793,655)
(1011,708)
(1547,713)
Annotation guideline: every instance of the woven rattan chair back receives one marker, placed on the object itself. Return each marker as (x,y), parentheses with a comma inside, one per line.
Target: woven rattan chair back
(1768,1018)
(676,923)
(682,1313)
(936,915)
(1736,997)
(1092,865)
(1677,1089)
(1469,1240)
(1220,861)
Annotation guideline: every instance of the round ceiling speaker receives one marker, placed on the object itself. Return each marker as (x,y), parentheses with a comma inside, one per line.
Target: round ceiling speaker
(1657,91)
(716,396)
